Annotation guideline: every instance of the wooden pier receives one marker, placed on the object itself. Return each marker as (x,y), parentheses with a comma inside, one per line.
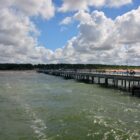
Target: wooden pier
(123,82)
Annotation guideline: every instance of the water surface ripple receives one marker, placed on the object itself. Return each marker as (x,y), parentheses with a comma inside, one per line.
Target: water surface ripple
(40,107)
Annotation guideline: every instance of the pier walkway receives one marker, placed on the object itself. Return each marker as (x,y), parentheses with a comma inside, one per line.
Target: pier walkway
(124,82)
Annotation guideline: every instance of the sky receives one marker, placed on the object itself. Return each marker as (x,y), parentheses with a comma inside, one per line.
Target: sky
(70,31)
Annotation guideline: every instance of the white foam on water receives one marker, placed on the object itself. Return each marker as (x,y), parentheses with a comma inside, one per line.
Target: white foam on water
(37,125)
(117,129)
(131,110)
(100,120)
(137,122)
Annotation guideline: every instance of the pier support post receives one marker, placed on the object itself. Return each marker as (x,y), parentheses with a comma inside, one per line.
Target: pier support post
(106,82)
(122,83)
(129,85)
(113,81)
(117,83)
(92,79)
(98,80)
(125,84)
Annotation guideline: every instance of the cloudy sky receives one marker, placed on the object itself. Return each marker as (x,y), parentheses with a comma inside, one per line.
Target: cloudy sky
(70,31)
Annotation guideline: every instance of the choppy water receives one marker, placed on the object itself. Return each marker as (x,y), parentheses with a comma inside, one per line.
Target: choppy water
(40,107)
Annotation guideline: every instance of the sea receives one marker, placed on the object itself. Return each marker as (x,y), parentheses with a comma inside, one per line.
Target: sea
(35,106)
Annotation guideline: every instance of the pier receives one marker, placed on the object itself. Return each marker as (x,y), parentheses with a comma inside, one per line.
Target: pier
(118,81)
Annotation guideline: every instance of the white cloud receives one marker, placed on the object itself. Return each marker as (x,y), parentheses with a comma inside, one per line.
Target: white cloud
(83,16)
(128,27)
(18,34)
(66,21)
(44,8)
(75,5)
(118,3)
(102,40)
(69,5)
(6,3)
(95,33)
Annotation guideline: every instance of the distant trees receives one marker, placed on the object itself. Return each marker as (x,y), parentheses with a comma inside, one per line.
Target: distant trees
(100,67)
(16,67)
(84,66)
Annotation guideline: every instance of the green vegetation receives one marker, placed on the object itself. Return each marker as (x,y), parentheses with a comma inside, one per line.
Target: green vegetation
(63,66)
(85,66)
(16,66)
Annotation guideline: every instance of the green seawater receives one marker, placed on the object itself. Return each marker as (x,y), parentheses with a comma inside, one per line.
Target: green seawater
(36,106)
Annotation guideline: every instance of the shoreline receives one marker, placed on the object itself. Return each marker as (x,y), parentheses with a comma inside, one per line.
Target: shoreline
(1,71)
(106,70)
